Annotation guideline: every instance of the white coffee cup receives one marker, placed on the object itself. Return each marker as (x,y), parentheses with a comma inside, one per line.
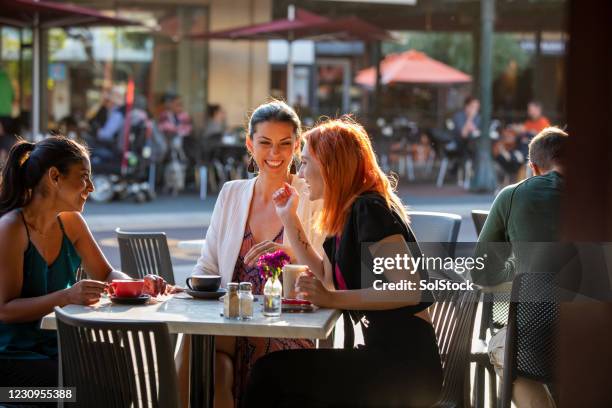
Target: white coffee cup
(290,275)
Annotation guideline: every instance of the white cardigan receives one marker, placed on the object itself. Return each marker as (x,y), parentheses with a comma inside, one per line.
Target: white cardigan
(226,231)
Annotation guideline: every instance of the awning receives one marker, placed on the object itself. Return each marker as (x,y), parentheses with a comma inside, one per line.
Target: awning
(302,24)
(21,13)
(277,29)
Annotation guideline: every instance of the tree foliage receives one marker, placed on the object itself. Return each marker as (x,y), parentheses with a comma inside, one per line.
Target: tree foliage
(456,49)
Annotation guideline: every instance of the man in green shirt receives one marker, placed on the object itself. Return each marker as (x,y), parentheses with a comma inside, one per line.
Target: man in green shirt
(525,212)
(523,217)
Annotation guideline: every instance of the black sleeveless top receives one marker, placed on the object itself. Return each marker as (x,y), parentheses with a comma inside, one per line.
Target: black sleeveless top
(370,221)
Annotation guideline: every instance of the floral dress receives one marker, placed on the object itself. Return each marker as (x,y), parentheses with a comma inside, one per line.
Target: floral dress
(249,349)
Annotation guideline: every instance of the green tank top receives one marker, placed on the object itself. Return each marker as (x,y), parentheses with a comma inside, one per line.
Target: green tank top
(25,340)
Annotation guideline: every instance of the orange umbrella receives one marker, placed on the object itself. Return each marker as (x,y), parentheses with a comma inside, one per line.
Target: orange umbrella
(411,67)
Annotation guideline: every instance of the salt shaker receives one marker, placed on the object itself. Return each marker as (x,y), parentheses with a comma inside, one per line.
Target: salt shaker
(246,300)
(231,303)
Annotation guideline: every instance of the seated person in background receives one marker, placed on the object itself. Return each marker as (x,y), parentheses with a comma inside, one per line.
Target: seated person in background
(174,122)
(215,128)
(215,124)
(536,122)
(522,213)
(422,151)
(466,124)
(508,155)
(97,114)
(43,242)
(108,134)
(176,126)
(243,227)
(399,364)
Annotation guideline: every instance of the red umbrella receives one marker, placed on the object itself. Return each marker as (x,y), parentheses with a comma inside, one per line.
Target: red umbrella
(412,67)
(39,15)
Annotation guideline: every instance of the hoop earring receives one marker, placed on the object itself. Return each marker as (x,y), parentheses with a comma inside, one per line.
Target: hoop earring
(293,168)
(252,167)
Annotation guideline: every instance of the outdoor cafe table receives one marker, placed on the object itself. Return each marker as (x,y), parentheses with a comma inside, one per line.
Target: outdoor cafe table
(203,320)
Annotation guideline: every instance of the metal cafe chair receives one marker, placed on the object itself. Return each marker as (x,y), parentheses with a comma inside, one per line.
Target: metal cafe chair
(440,227)
(530,348)
(145,253)
(437,234)
(453,320)
(117,364)
(494,317)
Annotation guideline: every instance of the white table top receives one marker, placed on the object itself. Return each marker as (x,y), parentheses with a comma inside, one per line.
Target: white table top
(195,316)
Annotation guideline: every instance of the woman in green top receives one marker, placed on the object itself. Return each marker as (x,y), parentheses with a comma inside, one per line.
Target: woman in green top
(43,241)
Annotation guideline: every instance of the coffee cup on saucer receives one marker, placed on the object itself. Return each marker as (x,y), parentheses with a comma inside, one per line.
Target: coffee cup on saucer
(204,283)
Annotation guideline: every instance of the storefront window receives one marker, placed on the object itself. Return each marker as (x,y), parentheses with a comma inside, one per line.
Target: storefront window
(16,84)
(88,64)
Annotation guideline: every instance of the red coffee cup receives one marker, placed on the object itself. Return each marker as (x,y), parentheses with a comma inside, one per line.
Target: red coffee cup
(127,287)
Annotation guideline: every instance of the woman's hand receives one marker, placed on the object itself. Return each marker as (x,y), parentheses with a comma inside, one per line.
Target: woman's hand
(264,247)
(85,292)
(286,201)
(313,290)
(156,285)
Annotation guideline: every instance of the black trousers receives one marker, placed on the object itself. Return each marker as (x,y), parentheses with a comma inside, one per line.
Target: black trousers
(28,373)
(404,377)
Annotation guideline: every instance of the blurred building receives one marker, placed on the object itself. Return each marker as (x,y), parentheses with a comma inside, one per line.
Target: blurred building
(159,56)
(82,65)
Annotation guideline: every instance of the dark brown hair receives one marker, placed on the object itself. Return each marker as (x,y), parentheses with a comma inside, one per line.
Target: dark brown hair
(275,111)
(546,149)
(28,162)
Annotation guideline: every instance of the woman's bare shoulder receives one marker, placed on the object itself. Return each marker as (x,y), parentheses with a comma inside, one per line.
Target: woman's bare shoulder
(12,230)
(74,224)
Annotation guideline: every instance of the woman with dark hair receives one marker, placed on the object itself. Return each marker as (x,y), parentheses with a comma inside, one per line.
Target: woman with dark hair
(364,219)
(44,240)
(244,226)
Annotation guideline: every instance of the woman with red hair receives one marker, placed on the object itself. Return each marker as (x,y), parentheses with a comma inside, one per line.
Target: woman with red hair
(368,237)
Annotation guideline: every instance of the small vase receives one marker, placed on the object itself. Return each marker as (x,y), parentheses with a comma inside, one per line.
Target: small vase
(273,291)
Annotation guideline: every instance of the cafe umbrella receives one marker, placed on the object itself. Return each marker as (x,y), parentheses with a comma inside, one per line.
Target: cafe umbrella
(301,25)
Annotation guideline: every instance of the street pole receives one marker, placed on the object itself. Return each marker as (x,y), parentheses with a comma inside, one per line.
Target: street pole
(375,60)
(484,175)
(35,109)
(290,91)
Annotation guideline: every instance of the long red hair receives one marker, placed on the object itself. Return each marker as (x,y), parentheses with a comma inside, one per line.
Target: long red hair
(349,168)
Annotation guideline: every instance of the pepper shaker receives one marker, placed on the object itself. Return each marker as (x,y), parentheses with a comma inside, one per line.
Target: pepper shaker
(246,300)
(231,303)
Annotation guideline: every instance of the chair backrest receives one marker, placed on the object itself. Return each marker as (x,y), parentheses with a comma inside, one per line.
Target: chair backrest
(479,217)
(453,316)
(495,309)
(145,253)
(532,326)
(431,226)
(117,364)
(436,233)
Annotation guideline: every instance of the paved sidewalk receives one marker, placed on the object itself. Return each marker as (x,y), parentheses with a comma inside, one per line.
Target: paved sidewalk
(188,211)
(164,212)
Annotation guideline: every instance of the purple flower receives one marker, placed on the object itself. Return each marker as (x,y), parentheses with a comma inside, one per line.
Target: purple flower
(271,264)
